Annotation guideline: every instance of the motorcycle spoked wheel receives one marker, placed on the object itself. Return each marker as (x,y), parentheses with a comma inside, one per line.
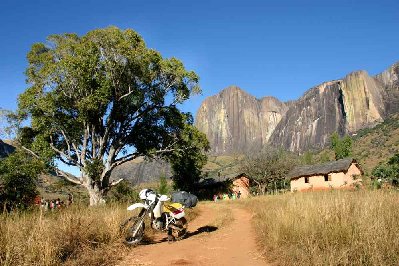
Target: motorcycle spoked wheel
(131,226)
(180,233)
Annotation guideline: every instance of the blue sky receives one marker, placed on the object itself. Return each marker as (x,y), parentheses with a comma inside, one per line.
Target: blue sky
(279,48)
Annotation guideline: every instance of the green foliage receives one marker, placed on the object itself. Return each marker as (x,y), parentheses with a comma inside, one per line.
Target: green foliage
(388,172)
(188,161)
(342,146)
(18,177)
(394,160)
(307,158)
(268,168)
(123,192)
(103,98)
(163,187)
(324,157)
(94,168)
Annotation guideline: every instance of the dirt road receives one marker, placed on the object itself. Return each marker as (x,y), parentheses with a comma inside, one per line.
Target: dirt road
(231,244)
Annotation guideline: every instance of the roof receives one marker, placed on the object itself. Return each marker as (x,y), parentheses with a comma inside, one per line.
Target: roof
(322,169)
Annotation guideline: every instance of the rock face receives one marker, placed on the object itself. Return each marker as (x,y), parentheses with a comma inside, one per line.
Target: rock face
(390,80)
(5,149)
(310,120)
(141,171)
(234,120)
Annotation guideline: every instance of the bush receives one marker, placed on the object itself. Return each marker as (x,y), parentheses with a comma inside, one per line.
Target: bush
(123,192)
(388,172)
(163,187)
(18,178)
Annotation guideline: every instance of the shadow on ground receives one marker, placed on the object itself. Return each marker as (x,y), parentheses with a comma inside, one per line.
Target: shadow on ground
(200,230)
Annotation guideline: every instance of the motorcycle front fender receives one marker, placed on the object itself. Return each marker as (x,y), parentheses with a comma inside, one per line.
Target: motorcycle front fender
(137,205)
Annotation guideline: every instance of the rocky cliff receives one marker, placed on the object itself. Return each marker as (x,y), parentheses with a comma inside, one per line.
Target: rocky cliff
(5,148)
(141,171)
(390,80)
(234,120)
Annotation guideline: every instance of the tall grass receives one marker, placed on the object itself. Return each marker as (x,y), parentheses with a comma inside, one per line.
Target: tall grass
(329,228)
(73,236)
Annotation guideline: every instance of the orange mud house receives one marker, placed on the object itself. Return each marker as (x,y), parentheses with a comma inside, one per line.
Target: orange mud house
(241,184)
(343,173)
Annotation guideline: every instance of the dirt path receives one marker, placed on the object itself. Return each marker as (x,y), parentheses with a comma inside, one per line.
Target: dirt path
(233,244)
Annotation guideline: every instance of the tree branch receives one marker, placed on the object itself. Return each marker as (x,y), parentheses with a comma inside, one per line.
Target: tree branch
(61,153)
(114,183)
(31,152)
(59,172)
(68,177)
(123,160)
(67,141)
(85,140)
(125,95)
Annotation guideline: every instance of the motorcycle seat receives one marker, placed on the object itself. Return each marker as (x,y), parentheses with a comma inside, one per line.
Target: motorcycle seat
(173,207)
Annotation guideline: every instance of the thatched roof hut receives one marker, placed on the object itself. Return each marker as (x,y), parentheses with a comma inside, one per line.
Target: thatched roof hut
(322,169)
(341,173)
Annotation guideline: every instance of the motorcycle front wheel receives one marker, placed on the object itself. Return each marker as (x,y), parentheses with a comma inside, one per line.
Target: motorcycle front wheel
(180,232)
(132,226)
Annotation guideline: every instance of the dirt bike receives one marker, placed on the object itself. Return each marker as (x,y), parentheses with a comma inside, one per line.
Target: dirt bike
(163,217)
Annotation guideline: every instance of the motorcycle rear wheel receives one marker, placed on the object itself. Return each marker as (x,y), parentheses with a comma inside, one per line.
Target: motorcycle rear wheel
(180,233)
(131,226)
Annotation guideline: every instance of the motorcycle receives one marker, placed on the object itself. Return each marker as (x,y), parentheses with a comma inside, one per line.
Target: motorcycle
(163,217)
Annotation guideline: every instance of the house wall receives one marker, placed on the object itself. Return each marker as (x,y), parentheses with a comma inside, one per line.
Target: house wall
(242,184)
(338,180)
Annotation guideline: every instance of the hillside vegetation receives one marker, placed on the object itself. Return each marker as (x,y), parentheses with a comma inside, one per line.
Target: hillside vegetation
(375,145)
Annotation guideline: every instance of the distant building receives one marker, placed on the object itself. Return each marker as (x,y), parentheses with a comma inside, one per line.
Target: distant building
(232,183)
(339,174)
(241,185)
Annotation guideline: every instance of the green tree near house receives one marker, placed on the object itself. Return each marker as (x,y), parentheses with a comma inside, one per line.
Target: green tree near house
(103,99)
(188,162)
(342,147)
(268,168)
(307,158)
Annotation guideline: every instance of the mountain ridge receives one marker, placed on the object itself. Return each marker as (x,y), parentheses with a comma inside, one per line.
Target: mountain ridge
(234,120)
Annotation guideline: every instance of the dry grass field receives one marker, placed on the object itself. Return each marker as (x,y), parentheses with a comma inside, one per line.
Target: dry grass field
(74,236)
(328,228)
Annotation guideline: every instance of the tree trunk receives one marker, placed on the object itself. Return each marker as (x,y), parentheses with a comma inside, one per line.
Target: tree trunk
(96,195)
(263,189)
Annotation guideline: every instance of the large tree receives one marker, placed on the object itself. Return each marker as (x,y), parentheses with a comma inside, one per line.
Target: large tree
(268,168)
(342,147)
(101,100)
